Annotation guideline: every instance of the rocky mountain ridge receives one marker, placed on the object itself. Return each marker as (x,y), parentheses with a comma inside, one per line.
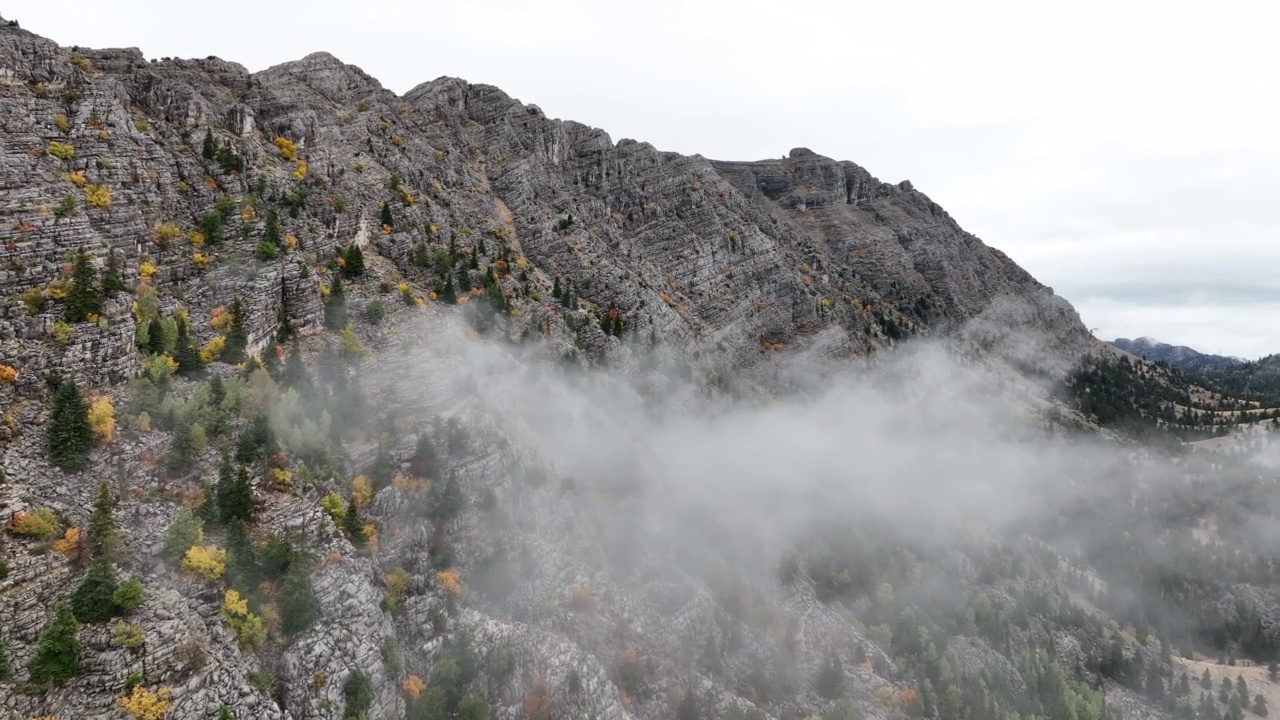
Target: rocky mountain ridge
(204,187)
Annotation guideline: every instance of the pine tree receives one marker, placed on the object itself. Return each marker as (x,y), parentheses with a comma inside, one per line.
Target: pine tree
(1206,682)
(272,233)
(237,340)
(6,662)
(385,217)
(354,525)
(448,294)
(242,558)
(155,336)
(298,604)
(83,297)
(57,658)
(830,681)
(294,376)
(1273,670)
(102,537)
(184,532)
(688,708)
(555,288)
(182,450)
(335,308)
(284,329)
(91,600)
(353,261)
(112,283)
(70,436)
(447,502)
(234,493)
(210,149)
(1260,705)
(185,351)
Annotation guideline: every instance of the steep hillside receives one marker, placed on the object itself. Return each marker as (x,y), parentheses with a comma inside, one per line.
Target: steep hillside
(325,402)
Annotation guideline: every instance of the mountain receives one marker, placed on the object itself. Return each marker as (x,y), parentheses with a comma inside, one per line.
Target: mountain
(1255,380)
(1179,356)
(322,401)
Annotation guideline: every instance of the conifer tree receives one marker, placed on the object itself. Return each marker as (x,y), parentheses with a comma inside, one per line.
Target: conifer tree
(210,149)
(830,681)
(273,233)
(385,218)
(182,450)
(91,600)
(155,336)
(69,434)
(112,283)
(447,293)
(5,661)
(83,297)
(102,537)
(298,604)
(234,494)
(354,525)
(185,351)
(242,557)
(335,308)
(284,329)
(353,261)
(57,658)
(233,349)
(555,288)
(294,376)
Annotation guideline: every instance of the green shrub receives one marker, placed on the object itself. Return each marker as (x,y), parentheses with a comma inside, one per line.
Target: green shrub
(128,636)
(357,693)
(129,596)
(375,311)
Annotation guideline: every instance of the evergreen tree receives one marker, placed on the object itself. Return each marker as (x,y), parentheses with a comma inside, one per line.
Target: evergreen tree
(272,233)
(425,462)
(112,283)
(928,705)
(353,261)
(155,336)
(70,436)
(298,604)
(182,450)
(6,662)
(1260,705)
(284,329)
(1273,670)
(688,708)
(242,558)
(555,288)
(235,494)
(91,600)
(185,351)
(446,502)
(183,533)
(102,537)
(83,297)
(830,681)
(210,149)
(57,658)
(335,308)
(293,376)
(237,340)
(448,293)
(354,525)
(224,713)
(1206,682)
(385,218)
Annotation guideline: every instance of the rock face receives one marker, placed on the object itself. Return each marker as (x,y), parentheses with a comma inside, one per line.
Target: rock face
(696,255)
(717,266)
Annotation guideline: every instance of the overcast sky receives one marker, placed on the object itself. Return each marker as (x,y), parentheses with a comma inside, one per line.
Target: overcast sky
(1125,153)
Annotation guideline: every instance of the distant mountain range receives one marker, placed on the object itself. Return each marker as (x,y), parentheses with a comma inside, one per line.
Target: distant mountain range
(1179,356)
(1250,379)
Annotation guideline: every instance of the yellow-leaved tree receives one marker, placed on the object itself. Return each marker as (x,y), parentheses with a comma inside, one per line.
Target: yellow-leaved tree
(102,418)
(145,704)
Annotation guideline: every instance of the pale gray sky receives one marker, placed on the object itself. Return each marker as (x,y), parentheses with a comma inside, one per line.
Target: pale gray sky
(1125,153)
